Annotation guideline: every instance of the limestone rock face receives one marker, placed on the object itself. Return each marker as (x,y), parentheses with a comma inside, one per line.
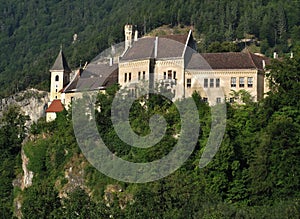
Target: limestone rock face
(32,102)
(28,175)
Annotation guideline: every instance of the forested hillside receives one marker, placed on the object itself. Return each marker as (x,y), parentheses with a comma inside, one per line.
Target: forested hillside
(32,31)
(255,173)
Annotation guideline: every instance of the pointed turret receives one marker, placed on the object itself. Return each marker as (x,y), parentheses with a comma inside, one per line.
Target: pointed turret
(60,76)
(60,63)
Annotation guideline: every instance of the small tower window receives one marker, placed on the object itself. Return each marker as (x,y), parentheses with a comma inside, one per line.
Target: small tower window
(211,82)
(250,81)
(217,82)
(56,78)
(188,83)
(205,82)
(242,82)
(170,74)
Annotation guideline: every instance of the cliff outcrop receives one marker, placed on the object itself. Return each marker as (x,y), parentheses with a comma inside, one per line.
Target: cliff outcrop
(32,102)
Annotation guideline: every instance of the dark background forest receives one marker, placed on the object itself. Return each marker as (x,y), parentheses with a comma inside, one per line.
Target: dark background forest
(31,32)
(256,172)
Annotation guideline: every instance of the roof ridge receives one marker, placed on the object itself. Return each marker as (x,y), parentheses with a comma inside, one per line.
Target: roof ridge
(61,63)
(187,41)
(221,52)
(251,58)
(77,75)
(55,106)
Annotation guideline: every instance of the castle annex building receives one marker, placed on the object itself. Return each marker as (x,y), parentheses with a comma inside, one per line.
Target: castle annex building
(170,61)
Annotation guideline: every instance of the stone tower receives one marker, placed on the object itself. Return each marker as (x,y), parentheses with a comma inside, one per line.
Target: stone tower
(128,36)
(60,76)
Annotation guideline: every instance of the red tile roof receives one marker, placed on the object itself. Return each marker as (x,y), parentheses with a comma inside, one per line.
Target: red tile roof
(55,107)
(229,60)
(179,38)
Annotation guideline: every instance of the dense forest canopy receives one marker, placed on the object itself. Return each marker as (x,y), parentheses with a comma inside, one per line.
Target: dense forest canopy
(255,173)
(32,31)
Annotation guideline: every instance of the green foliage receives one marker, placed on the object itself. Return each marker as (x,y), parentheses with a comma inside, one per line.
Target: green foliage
(13,130)
(284,77)
(40,201)
(31,33)
(36,153)
(255,173)
(222,47)
(12,134)
(79,205)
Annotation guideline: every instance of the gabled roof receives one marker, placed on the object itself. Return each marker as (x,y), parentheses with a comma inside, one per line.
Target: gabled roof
(227,60)
(143,48)
(168,46)
(55,107)
(97,75)
(60,63)
(73,83)
(258,60)
(181,38)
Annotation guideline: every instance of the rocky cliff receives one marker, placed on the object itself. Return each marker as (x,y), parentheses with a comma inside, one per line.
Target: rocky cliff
(32,102)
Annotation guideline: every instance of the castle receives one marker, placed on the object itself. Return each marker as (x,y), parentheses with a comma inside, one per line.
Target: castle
(170,61)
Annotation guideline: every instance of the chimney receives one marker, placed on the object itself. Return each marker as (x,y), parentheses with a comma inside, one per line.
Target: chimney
(155,47)
(264,64)
(136,34)
(128,36)
(111,61)
(113,50)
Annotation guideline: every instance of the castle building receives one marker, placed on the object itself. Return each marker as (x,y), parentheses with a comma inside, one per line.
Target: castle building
(60,77)
(168,61)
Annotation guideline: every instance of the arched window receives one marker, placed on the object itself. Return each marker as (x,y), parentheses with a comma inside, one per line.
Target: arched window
(56,78)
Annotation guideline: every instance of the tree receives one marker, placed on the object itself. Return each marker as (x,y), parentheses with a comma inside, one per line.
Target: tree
(79,205)
(284,78)
(40,201)
(13,129)
(12,134)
